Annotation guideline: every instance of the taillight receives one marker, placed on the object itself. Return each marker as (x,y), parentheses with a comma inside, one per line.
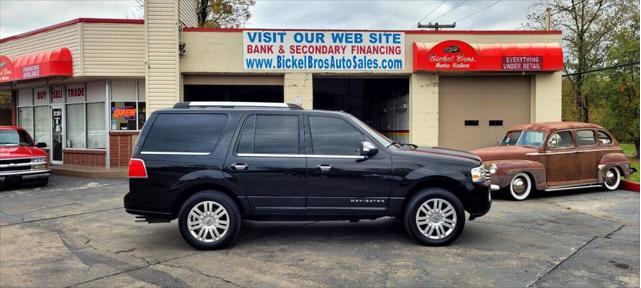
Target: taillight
(137,168)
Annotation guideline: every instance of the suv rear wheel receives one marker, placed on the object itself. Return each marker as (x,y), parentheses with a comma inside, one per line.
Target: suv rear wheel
(434,217)
(209,220)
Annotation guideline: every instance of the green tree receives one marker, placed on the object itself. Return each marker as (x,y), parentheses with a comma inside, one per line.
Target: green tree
(224,13)
(587,27)
(618,89)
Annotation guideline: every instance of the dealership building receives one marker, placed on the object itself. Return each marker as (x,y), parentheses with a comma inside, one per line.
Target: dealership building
(86,86)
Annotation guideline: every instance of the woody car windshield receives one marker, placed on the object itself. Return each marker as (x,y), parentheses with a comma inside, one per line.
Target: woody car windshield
(524,138)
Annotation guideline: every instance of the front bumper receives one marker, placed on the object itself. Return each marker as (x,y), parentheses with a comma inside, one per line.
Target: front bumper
(479,202)
(24,175)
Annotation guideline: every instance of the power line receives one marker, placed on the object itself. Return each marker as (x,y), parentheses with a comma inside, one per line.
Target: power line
(431,12)
(604,68)
(448,11)
(478,11)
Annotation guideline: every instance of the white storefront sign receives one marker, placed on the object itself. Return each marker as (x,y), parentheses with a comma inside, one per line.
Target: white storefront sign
(324,50)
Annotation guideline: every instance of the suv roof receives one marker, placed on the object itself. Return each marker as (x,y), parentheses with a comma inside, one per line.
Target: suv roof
(236,105)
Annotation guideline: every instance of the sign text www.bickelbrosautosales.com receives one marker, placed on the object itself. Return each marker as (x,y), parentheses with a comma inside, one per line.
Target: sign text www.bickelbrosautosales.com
(324,50)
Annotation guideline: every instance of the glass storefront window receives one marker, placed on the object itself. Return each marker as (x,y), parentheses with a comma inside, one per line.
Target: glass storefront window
(25,118)
(96,125)
(128,109)
(42,125)
(142,114)
(75,126)
(123,116)
(5,107)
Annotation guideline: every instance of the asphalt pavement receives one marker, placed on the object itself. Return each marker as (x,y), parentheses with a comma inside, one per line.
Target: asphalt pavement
(75,233)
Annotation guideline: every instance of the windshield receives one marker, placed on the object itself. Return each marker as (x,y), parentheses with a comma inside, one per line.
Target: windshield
(14,138)
(377,135)
(524,138)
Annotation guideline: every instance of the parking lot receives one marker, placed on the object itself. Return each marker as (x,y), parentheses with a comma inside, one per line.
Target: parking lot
(74,232)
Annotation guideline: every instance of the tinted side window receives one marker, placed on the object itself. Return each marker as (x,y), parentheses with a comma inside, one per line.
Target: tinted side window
(604,138)
(333,136)
(184,132)
(246,141)
(274,134)
(585,137)
(560,140)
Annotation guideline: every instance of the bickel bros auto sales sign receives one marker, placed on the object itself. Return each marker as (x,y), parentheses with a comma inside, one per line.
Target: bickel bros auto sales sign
(324,50)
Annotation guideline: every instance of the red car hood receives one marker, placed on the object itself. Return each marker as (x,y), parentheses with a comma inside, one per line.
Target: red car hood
(9,152)
(503,152)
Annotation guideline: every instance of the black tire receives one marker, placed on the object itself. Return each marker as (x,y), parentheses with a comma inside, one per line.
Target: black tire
(430,196)
(201,199)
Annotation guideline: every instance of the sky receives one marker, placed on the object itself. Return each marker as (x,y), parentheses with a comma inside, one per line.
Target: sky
(18,16)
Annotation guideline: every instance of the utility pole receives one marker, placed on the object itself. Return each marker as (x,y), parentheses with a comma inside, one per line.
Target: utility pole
(436,26)
(548,18)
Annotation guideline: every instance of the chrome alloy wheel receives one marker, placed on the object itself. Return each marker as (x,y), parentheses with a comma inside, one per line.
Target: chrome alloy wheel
(436,218)
(208,221)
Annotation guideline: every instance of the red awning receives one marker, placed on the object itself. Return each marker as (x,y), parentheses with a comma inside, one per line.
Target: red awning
(56,62)
(455,55)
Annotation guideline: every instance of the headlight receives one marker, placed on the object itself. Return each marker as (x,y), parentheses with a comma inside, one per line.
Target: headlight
(478,174)
(39,160)
(492,169)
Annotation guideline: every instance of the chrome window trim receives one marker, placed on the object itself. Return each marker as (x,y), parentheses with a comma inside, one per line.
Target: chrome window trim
(299,155)
(175,153)
(568,152)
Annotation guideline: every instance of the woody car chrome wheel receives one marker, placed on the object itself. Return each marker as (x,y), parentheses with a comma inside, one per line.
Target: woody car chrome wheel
(612,179)
(520,186)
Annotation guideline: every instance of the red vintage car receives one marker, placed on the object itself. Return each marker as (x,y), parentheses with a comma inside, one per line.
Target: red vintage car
(20,159)
(555,156)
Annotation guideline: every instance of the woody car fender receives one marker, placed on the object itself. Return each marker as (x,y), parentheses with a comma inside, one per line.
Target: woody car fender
(506,169)
(618,160)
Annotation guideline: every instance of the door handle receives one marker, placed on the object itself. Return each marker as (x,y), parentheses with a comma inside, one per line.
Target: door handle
(325,167)
(239,166)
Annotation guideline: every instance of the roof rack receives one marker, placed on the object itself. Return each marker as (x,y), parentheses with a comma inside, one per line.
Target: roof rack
(232,105)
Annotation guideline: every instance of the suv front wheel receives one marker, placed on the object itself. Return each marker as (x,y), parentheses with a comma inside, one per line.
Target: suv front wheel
(434,217)
(209,220)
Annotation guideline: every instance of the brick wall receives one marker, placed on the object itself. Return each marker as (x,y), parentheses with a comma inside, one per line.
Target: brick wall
(83,157)
(121,145)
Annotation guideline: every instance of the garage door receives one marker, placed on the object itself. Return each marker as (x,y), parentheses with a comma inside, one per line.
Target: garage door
(476,111)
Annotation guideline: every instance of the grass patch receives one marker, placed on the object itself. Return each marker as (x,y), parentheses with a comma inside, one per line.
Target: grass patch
(628,149)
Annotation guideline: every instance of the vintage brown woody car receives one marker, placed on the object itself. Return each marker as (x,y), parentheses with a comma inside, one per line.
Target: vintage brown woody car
(555,156)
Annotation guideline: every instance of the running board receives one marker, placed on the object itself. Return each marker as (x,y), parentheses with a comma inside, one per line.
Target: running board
(572,187)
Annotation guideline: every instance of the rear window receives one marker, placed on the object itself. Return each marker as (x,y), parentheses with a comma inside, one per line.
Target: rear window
(585,137)
(184,133)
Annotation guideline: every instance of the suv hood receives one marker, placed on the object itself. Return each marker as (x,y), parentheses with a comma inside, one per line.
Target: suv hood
(21,152)
(503,152)
(444,152)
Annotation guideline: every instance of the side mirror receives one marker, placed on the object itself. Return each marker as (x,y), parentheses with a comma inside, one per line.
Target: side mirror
(41,145)
(368,149)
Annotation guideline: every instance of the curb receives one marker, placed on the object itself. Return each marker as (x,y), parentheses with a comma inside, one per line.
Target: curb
(630,186)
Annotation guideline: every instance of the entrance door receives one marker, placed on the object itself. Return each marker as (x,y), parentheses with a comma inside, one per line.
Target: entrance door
(57,134)
(562,159)
(341,181)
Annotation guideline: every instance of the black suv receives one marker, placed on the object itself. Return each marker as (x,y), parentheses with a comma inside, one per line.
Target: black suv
(213,164)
